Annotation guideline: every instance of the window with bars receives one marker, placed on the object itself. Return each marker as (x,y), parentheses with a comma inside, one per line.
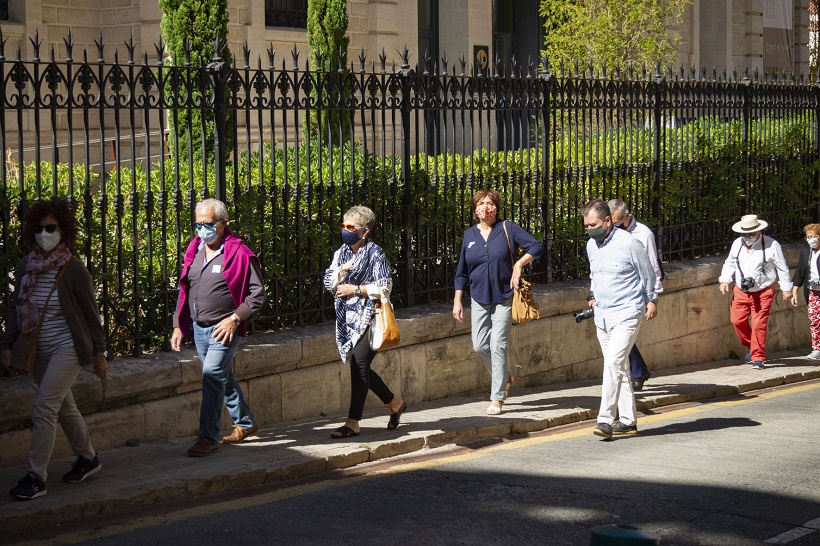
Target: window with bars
(286,13)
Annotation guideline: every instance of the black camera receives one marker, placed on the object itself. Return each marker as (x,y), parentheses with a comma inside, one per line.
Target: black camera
(747,283)
(587,313)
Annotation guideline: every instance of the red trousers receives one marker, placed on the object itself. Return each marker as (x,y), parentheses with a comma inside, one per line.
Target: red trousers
(756,305)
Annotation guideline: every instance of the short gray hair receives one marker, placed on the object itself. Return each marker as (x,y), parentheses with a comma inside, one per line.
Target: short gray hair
(218,207)
(361,215)
(616,205)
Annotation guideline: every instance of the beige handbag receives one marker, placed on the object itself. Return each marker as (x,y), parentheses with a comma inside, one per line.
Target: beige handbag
(524,307)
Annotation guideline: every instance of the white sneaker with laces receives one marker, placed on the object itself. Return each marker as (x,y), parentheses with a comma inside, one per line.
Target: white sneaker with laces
(815,355)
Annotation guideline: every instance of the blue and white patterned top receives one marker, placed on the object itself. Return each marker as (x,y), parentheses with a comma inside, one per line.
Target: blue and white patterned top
(370,268)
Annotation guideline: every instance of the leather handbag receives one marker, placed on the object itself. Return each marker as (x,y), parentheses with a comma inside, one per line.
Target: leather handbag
(524,307)
(384,330)
(24,348)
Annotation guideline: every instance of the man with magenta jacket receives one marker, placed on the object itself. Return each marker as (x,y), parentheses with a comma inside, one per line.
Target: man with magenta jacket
(220,291)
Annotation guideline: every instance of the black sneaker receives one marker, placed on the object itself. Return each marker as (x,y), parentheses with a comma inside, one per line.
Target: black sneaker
(620,428)
(603,430)
(82,469)
(30,487)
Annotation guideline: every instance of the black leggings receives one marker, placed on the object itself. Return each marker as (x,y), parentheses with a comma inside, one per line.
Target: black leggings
(362,378)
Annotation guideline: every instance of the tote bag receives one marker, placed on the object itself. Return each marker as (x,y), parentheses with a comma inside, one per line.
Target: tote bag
(385,331)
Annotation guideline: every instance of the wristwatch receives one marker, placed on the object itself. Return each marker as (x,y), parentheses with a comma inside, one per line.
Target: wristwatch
(358,290)
(235,320)
(104,353)
(655,301)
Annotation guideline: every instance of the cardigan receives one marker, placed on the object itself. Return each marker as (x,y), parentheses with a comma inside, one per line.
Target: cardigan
(802,271)
(76,296)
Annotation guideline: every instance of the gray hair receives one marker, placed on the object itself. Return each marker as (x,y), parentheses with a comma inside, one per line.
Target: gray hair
(362,216)
(616,205)
(215,205)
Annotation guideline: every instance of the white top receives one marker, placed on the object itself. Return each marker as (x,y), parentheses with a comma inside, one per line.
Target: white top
(744,261)
(643,234)
(54,333)
(814,278)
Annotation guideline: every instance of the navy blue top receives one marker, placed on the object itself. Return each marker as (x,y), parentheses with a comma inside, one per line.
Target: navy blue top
(486,264)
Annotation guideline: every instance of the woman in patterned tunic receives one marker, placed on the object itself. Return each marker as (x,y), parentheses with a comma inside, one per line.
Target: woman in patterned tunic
(357,274)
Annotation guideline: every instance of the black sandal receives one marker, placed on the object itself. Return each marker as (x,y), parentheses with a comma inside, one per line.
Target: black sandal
(393,424)
(343,432)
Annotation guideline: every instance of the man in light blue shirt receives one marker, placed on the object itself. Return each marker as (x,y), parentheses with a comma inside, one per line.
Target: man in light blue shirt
(623,284)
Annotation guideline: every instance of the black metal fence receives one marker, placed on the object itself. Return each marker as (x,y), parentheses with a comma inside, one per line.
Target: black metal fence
(290,149)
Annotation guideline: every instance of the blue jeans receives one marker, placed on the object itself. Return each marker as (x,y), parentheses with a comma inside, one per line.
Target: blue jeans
(219,385)
(637,365)
(491,326)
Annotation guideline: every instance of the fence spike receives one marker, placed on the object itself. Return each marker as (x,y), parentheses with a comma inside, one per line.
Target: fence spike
(405,58)
(383,59)
(271,57)
(36,43)
(463,62)
(131,46)
(2,46)
(160,47)
(246,53)
(51,53)
(444,63)
(85,56)
(294,55)
(18,52)
(342,59)
(362,58)
(187,46)
(69,46)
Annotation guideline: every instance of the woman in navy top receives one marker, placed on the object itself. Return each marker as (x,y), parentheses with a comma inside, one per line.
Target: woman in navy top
(486,265)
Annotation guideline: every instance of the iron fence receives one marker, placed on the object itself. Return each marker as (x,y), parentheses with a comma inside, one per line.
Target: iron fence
(292,148)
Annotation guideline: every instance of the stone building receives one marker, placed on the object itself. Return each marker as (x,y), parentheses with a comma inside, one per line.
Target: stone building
(731,34)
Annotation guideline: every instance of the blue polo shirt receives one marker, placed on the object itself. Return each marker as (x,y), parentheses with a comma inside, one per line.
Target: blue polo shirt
(486,265)
(622,278)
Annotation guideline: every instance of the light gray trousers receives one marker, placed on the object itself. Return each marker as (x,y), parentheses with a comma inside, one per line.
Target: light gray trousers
(491,327)
(55,403)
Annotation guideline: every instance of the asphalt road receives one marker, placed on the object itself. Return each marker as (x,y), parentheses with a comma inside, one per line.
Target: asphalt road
(742,471)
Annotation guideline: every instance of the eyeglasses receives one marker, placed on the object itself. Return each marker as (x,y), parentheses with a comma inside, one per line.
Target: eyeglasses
(209,225)
(350,227)
(50,228)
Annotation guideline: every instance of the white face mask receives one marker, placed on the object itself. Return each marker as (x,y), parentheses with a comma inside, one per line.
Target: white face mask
(48,241)
(812,242)
(749,239)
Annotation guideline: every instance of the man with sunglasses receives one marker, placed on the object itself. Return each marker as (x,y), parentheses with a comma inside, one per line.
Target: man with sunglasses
(220,291)
(623,219)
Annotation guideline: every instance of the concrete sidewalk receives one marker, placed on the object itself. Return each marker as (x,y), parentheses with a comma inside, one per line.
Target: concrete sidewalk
(156,472)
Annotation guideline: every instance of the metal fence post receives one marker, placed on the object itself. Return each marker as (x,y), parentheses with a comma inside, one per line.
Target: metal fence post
(219,71)
(405,75)
(546,113)
(747,115)
(658,82)
(816,146)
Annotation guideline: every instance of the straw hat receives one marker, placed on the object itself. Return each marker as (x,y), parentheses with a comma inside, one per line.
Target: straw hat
(749,224)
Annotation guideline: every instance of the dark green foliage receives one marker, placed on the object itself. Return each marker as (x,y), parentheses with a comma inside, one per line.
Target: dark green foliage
(201,23)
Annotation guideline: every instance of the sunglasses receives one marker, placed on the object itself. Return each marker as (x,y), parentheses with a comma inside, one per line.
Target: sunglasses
(50,228)
(350,227)
(209,225)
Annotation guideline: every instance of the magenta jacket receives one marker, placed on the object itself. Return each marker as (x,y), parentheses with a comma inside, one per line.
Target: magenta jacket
(236,269)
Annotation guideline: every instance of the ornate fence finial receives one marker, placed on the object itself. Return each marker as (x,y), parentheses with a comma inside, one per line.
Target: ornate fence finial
(405,58)
(131,47)
(246,54)
(160,47)
(444,63)
(36,44)
(218,48)
(383,60)
(188,47)
(362,60)
(69,47)
(271,57)
(2,46)
(463,62)
(342,59)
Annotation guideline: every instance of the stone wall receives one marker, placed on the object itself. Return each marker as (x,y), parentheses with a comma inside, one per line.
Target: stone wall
(297,373)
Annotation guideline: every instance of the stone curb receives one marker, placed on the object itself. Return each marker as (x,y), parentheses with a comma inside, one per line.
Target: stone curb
(453,421)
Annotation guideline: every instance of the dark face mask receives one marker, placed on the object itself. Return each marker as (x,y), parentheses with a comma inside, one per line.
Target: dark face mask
(598,233)
(350,238)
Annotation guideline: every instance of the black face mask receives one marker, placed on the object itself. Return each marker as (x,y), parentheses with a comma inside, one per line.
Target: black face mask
(598,233)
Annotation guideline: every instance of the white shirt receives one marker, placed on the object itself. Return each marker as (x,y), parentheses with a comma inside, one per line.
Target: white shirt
(814,278)
(749,261)
(643,234)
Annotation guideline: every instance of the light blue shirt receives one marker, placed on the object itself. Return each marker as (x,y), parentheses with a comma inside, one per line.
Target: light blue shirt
(622,278)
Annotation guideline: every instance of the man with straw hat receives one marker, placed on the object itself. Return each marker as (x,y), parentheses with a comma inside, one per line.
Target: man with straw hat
(754,263)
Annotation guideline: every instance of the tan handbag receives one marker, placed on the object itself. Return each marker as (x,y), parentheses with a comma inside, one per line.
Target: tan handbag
(524,307)
(24,348)
(385,331)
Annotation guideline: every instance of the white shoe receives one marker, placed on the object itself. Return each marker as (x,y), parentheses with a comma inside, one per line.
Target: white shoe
(815,355)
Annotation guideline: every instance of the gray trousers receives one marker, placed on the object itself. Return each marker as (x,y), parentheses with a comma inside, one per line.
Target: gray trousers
(491,327)
(55,403)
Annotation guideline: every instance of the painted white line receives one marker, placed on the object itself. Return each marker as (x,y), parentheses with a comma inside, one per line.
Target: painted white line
(798,532)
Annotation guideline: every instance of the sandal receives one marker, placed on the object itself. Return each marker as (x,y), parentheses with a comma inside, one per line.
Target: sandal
(512,382)
(343,432)
(393,424)
(494,410)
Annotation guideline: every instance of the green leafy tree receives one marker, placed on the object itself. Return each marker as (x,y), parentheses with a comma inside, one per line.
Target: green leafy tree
(201,23)
(611,32)
(327,36)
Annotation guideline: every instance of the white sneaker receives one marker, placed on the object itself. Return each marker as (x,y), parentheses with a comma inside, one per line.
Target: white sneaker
(815,355)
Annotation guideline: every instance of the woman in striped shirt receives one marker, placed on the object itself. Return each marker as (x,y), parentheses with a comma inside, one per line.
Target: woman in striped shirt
(70,336)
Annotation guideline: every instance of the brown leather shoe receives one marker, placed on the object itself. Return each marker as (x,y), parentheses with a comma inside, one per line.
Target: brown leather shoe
(202,448)
(239,434)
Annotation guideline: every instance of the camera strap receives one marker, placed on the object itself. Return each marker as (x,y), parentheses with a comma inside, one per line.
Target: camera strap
(762,265)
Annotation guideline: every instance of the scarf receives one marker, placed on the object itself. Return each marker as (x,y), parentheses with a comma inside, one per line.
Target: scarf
(27,313)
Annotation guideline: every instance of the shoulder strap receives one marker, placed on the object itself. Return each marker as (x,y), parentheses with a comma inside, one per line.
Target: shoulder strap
(53,288)
(509,245)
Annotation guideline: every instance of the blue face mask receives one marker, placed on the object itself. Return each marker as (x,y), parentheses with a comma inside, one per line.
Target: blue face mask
(207,233)
(350,238)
